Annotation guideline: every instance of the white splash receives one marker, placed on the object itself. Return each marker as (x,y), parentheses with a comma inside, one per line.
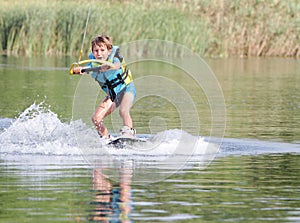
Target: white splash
(38,130)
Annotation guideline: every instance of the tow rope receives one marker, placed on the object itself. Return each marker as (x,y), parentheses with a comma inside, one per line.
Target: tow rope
(79,63)
(84,34)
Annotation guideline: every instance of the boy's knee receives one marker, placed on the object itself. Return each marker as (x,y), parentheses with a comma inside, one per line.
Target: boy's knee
(97,119)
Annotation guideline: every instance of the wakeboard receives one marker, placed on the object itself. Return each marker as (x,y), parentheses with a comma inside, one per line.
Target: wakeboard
(121,142)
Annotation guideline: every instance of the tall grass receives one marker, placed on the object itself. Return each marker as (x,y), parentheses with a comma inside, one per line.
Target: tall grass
(209,28)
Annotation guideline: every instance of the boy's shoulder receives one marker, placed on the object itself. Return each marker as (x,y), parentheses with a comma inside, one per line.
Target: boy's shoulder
(117,54)
(91,56)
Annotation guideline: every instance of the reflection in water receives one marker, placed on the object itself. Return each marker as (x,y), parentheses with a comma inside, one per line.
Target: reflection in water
(233,188)
(112,203)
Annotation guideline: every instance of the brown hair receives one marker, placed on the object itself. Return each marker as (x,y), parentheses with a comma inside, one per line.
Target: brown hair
(102,39)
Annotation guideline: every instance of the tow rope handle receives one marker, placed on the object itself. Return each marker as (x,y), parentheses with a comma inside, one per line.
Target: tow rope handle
(87,69)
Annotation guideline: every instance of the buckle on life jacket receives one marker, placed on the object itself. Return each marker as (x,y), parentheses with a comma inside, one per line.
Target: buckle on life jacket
(111,84)
(114,82)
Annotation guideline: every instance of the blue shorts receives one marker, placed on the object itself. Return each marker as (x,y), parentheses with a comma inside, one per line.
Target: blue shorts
(130,88)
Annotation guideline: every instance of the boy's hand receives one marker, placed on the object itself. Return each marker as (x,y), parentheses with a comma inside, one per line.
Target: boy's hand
(104,68)
(77,70)
(116,66)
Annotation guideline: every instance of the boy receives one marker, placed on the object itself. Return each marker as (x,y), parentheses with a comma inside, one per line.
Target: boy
(116,81)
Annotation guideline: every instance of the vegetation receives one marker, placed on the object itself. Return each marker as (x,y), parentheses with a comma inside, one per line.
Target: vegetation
(208,27)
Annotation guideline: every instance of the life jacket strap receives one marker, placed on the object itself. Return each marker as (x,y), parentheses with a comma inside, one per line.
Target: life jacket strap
(111,84)
(120,79)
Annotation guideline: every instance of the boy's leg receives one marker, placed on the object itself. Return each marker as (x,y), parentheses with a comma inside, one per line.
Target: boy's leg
(104,109)
(125,106)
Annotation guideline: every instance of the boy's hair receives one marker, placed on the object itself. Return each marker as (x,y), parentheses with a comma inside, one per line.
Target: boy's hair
(102,39)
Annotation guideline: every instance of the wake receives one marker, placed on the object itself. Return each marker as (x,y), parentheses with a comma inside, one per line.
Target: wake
(39,131)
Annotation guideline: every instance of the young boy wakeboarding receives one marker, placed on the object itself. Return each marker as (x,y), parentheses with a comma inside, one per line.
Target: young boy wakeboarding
(116,81)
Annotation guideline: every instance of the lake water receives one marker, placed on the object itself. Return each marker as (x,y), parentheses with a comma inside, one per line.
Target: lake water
(225,149)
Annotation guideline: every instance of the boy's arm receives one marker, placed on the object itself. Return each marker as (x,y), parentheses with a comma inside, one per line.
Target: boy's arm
(116,64)
(102,68)
(82,70)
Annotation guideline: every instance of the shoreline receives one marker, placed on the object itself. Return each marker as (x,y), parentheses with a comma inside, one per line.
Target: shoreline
(209,28)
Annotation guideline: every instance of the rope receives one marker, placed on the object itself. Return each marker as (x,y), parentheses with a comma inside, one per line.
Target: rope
(86,25)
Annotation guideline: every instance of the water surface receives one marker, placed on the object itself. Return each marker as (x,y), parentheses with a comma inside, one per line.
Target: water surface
(50,174)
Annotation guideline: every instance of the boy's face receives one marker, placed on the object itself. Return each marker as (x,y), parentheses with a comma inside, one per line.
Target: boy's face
(101,52)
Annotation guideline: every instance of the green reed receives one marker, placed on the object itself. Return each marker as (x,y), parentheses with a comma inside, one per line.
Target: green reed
(209,28)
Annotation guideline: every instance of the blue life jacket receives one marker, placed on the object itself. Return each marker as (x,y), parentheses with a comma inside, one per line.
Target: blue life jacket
(112,82)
